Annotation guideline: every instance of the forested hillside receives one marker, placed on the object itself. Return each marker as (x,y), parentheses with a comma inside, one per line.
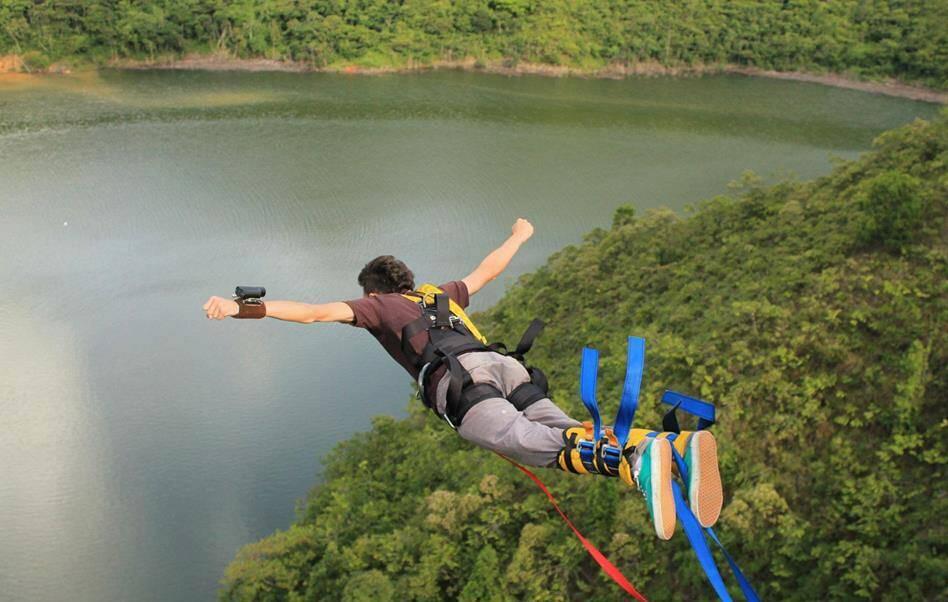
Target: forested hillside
(814,314)
(864,38)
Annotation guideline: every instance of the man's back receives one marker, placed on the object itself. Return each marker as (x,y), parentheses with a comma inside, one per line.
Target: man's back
(385,315)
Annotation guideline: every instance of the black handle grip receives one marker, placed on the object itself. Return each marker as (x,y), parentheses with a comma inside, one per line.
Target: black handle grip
(250,292)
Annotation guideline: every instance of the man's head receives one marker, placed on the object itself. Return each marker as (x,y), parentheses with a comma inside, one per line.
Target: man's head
(385,274)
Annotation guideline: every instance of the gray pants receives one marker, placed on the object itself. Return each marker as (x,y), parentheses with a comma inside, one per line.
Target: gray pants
(532,437)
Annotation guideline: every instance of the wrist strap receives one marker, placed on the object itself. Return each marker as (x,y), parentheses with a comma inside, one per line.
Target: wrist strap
(250,311)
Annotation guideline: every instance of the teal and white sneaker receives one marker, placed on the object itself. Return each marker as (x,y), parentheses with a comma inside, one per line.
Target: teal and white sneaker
(652,469)
(705,493)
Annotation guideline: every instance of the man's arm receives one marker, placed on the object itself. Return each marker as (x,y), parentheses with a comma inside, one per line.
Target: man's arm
(218,308)
(497,261)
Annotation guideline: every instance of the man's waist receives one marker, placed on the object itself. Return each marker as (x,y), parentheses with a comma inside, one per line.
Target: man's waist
(431,378)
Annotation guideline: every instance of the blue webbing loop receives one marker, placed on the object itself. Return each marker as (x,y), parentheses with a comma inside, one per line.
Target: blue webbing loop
(588,374)
(686,517)
(702,409)
(749,593)
(696,536)
(634,367)
(679,461)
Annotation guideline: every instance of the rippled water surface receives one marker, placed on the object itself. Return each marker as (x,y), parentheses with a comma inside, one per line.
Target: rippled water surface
(140,444)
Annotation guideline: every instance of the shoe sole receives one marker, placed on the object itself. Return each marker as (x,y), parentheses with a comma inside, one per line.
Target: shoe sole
(705,493)
(663,503)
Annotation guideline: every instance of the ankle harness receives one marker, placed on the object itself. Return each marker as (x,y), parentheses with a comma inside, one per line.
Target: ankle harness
(601,454)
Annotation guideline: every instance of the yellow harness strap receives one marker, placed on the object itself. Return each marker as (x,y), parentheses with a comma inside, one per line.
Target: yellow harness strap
(426,294)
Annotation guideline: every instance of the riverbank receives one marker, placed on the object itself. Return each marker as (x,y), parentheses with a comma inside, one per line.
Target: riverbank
(12,65)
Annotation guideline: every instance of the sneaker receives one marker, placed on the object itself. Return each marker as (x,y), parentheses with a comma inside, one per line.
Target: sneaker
(652,470)
(705,494)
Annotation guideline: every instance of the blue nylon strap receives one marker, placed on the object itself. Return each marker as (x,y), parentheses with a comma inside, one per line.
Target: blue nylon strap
(679,461)
(588,374)
(700,545)
(702,409)
(634,366)
(749,593)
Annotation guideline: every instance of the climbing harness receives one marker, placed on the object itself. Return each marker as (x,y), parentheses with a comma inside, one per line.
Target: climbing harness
(451,333)
(604,454)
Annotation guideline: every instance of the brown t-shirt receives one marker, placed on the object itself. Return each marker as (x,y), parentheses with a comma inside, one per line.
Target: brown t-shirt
(384,316)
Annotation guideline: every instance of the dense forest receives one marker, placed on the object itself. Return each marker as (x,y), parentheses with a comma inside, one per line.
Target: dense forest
(904,39)
(814,314)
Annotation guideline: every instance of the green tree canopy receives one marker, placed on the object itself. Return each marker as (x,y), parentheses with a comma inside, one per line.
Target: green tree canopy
(905,39)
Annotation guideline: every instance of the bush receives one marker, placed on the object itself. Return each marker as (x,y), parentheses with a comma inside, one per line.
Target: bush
(892,209)
(35,61)
(368,585)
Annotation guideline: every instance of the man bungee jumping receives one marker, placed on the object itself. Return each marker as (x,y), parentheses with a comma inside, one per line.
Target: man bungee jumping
(485,392)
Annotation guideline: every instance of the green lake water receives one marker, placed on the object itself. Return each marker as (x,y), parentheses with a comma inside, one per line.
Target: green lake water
(140,444)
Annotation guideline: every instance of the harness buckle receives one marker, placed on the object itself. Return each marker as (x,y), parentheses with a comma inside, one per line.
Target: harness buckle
(421,383)
(452,321)
(448,420)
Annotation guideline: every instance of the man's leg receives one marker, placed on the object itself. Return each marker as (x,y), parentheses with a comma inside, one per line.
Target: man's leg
(548,413)
(496,425)
(508,374)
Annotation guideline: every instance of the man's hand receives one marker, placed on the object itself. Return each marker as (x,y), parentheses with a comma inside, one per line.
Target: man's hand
(218,308)
(522,230)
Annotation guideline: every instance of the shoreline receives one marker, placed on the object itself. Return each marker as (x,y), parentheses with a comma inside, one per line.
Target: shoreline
(10,66)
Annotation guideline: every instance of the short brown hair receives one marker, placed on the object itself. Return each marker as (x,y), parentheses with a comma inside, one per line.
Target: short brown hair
(385,274)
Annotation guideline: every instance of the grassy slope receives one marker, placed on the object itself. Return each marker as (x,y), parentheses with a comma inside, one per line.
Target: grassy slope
(820,334)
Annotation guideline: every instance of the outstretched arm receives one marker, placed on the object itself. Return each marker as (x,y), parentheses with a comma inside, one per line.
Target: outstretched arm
(497,261)
(218,308)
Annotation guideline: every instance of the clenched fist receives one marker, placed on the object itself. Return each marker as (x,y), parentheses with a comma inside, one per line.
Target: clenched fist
(522,229)
(218,308)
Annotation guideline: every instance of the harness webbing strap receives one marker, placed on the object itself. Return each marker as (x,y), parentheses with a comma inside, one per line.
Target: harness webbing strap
(699,544)
(525,395)
(459,379)
(634,367)
(608,568)
(470,397)
(443,311)
(425,297)
(538,377)
(748,590)
(450,342)
(702,409)
(529,335)
(694,532)
(408,333)
(588,374)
